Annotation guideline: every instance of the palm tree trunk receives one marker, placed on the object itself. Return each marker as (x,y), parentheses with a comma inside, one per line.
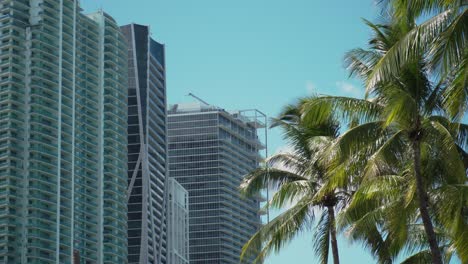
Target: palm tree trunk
(334,242)
(423,205)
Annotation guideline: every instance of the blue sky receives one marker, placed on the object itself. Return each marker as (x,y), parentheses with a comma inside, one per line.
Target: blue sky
(264,54)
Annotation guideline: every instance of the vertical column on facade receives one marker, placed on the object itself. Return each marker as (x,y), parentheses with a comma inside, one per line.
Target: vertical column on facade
(187,230)
(25,181)
(115,142)
(157,245)
(74,66)
(166,145)
(66,130)
(44,141)
(34,18)
(86,145)
(165,159)
(100,175)
(59,133)
(144,207)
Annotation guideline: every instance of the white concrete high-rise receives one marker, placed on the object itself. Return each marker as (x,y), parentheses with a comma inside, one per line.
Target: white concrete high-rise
(177,223)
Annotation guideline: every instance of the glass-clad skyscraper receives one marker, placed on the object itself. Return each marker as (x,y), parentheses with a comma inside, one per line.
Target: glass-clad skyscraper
(147,153)
(62,134)
(210,150)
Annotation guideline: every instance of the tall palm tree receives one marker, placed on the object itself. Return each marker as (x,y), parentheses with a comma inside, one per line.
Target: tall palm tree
(384,214)
(400,128)
(298,177)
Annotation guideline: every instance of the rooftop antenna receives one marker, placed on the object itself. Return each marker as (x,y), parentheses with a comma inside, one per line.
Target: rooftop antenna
(198,98)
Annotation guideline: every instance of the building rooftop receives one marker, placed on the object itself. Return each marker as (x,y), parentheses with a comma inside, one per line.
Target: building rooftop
(189,107)
(251,117)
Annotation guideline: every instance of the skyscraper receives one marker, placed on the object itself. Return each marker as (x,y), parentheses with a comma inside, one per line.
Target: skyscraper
(177,223)
(62,134)
(147,145)
(210,150)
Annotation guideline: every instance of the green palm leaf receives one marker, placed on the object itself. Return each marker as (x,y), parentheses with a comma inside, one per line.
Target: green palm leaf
(321,238)
(422,257)
(262,178)
(451,45)
(282,229)
(410,47)
(320,109)
(455,97)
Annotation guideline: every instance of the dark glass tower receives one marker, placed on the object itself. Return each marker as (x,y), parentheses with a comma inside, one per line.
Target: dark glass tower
(146,147)
(210,150)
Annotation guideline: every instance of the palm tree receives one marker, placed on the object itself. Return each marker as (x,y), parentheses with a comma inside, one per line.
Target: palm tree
(443,36)
(383,213)
(297,177)
(401,128)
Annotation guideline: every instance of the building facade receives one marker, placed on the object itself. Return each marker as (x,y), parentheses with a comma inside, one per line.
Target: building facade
(177,223)
(210,150)
(147,147)
(62,134)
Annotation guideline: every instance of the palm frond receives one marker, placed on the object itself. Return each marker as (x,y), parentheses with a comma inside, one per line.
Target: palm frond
(450,210)
(416,8)
(373,194)
(299,134)
(460,245)
(321,238)
(422,257)
(290,114)
(280,231)
(408,49)
(400,108)
(323,108)
(459,131)
(441,141)
(290,193)
(362,138)
(387,158)
(452,200)
(463,156)
(461,134)
(262,178)
(365,230)
(292,162)
(450,47)
(360,62)
(397,216)
(416,239)
(455,96)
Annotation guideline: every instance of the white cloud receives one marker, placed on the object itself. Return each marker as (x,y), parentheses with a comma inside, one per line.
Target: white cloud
(311,88)
(348,88)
